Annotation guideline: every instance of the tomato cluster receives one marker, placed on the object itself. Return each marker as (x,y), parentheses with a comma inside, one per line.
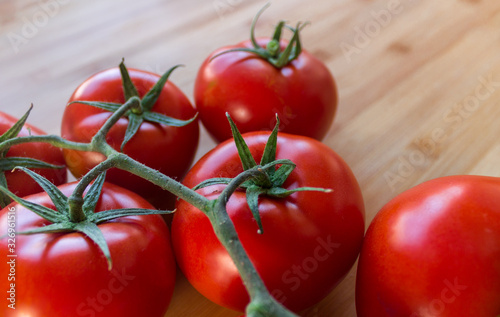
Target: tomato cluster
(432,251)
(319,233)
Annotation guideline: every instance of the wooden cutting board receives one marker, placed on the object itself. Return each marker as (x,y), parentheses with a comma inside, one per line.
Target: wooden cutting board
(418,81)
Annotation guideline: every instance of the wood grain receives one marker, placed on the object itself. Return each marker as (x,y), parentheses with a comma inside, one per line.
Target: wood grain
(418,80)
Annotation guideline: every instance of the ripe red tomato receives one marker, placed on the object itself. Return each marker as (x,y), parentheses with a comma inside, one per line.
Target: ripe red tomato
(310,239)
(434,250)
(303,93)
(19,182)
(169,149)
(66,274)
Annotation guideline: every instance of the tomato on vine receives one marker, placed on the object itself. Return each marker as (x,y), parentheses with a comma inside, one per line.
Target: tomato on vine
(42,158)
(301,240)
(163,134)
(256,79)
(114,260)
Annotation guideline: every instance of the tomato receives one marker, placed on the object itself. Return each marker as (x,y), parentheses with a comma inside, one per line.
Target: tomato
(20,183)
(434,250)
(303,93)
(310,239)
(66,274)
(169,149)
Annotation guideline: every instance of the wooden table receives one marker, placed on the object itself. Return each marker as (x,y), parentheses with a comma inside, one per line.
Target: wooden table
(418,80)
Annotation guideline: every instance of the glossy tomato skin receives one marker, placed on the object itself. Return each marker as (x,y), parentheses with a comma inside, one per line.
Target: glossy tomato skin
(66,274)
(302,93)
(19,182)
(170,150)
(310,239)
(434,250)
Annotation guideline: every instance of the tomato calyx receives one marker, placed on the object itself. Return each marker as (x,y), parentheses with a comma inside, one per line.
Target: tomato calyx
(269,175)
(272,52)
(73,214)
(9,163)
(143,111)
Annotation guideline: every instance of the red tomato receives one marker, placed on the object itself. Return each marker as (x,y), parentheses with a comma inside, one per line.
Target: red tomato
(170,150)
(303,93)
(66,274)
(310,239)
(19,182)
(434,250)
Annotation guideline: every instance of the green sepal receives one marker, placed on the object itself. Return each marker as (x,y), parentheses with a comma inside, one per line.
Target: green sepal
(284,57)
(166,120)
(254,23)
(13,131)
(6,163)
(152,95)
(91,230)
(129,89)
(280,192)
(9,163)
(297,49)
(273,47)
(293,49)
(92,196)
(247,160)
(4,198)
(269,154)
(52,228)
(44,212)
(213,181)
(134,123)
(280,176)
(57,197)
(277,162)
(252,195)
(263,53)
(108,106)
(107,215)
(268,167)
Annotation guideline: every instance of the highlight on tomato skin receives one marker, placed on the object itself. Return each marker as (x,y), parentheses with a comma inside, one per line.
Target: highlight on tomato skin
(310,239)
(434,250)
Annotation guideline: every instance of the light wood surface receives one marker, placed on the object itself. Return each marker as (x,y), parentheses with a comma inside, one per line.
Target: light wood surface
(418,80)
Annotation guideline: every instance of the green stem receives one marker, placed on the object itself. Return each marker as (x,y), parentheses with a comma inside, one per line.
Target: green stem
(92,174)
(75,200)
(98,142)
(54,140)
(130,165)
(254,23)
(261,301)
(75,208)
